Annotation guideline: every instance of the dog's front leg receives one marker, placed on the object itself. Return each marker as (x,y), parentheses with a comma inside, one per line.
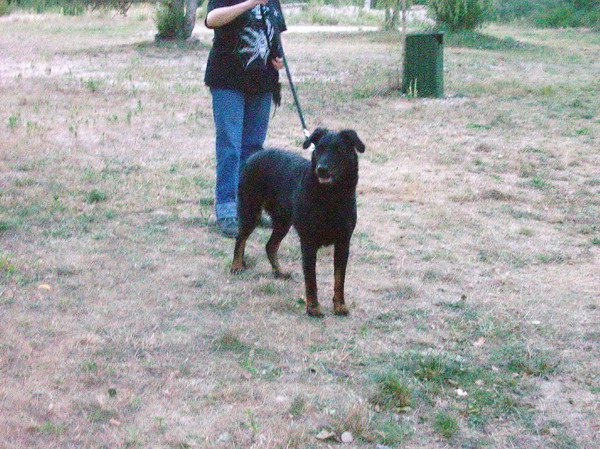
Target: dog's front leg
(340,261)
(309,262)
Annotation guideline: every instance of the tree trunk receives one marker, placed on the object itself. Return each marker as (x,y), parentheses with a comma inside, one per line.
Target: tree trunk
(402,5)
(189,22)
(186,10)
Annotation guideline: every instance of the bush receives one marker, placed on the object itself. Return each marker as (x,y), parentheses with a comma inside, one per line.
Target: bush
(169,21)
(548,13)
(4,8)
(72,7)
(455,15)
(569,14)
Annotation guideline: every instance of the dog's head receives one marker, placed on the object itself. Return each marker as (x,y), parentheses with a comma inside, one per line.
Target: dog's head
(334,158)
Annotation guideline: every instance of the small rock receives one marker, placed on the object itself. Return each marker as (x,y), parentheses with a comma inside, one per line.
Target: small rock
(347,437)
(224,437)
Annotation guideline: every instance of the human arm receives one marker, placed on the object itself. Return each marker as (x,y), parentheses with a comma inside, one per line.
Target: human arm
(226,14)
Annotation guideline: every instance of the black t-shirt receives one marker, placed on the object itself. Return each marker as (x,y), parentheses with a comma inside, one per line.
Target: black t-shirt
(240,58)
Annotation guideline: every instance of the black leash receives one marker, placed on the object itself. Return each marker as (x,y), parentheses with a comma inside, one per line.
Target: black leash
(294,94)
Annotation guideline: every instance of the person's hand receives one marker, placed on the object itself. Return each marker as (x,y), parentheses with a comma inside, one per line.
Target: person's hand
(254,3)
(278,63)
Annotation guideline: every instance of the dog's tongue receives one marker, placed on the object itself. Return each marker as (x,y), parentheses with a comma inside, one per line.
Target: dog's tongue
(324,180)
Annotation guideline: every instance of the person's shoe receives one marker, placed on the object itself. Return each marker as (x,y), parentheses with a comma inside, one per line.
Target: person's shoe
(228,226)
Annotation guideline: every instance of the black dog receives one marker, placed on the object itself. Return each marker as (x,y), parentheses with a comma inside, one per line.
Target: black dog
(317,197)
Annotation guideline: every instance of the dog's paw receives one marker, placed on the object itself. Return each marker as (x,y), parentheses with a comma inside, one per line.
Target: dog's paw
(281,275)
(314,312)
(341,310)
(237,268)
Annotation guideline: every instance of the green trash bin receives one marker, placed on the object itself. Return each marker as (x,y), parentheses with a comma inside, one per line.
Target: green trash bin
(424,65)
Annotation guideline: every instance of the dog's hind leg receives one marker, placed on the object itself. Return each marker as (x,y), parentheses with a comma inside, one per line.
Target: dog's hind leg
(248,214)
(340,261)
(238,265)
(280,230)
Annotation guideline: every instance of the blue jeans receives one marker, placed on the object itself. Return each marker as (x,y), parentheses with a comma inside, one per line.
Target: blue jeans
(241,122)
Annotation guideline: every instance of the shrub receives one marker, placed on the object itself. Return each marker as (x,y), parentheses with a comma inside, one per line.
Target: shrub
(456,15)
(4,8)
(548,13)
(72,8)
(568,14)
(169,21)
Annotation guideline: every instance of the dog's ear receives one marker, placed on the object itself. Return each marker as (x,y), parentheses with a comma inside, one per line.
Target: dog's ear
(314,137)
(351,136)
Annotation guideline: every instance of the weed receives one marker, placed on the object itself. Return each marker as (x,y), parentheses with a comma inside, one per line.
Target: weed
(91,85)
(522,359)
(7,225)
(402,292)
(540,183)
(392,393)
(97,413)
(49,428)
(14,121)
(96,196)
(393,433)
(7,266)
(357,420)
(230,342)
(297,407)
(445,424)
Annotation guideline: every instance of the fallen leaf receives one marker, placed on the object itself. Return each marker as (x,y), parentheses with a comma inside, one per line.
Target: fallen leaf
(479,342)
(325,435)
(44,287)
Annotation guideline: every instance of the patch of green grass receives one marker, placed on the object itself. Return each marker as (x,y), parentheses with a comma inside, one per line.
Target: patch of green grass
(96,196)
(392,393)
(7,266)
(446,424)
(49,428)
(474,39)
(268,289)
(540,183)
(7,225)
(14,121)
(96,413)
(297,407)
(521,359)
(469,387)
(230,342)
(91,85)
(402,292)
(393,433)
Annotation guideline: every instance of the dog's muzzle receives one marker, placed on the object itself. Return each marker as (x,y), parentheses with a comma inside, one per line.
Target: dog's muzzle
(323,174)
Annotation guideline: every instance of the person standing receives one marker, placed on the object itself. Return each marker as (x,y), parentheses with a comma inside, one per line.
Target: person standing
(242,73)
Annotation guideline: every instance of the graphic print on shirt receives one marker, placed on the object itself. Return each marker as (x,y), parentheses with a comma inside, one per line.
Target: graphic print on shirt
(255,38)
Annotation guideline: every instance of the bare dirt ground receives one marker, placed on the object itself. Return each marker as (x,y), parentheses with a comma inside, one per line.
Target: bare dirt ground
(474,276)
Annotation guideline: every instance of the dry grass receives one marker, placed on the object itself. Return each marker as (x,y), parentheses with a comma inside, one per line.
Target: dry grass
(473,282)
